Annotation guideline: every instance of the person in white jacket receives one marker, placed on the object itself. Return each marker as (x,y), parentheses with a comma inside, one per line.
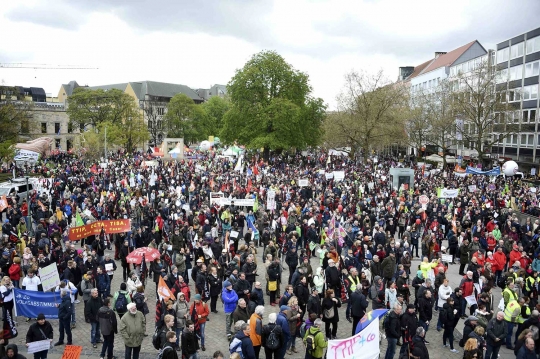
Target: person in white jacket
(444,293)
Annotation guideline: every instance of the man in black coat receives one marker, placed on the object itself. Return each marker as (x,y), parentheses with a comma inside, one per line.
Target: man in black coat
(392,331)
(91,312)
(419,344)
(314,303)
(425,310)
(333,281)
(292,261)
(242,286)
(41,330)
(409,324)
(359,306)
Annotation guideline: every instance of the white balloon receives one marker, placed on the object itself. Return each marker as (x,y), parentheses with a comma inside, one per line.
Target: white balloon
(205,145)
(510,168)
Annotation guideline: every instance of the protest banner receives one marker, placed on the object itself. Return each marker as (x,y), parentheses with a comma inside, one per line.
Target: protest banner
(339,175)
(29,303)
(109,226)
(49,277)
(72,352)
(38,346)
(447,193)
(368,318)
(329,176)
(364,345)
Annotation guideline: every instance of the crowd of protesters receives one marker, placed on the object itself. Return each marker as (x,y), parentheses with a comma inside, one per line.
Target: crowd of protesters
(364,233)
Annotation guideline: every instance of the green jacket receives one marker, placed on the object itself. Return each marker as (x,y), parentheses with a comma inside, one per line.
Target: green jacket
(132,328)
(320,343)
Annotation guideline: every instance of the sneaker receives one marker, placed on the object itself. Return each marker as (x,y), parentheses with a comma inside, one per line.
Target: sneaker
(77,302)
(426,342)
(446,345)
(454,351)
(94,345)
(101,358)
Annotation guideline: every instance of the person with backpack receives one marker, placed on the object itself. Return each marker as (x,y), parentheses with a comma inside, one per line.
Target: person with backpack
(272,338)
(314,341)
(120,300)
(447,315)
(108,325)
(242,343)
(391,328)
(159,339)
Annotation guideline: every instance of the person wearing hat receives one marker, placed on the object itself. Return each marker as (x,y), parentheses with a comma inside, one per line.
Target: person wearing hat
(470,323)
(408,323)
(133,330)
(200,310)
(40,330)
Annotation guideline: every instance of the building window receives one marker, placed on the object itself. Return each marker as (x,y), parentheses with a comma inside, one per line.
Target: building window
(161,111)
(533,45)
(514,95)
(57,143)
(530,92)
(516,50)
(502,76)
(44,127)
(57,128)
(532,69)
(529,116)
(516,72)
(502,55)
(70,127)
(526,140)
(511,140)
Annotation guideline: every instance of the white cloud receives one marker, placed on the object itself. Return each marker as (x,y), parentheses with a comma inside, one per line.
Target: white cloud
(200,44)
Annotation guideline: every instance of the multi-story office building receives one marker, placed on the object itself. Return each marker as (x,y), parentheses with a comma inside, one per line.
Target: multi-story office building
(518,60)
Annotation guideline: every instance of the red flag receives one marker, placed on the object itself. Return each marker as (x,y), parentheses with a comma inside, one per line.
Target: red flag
(249,185)
(255,170)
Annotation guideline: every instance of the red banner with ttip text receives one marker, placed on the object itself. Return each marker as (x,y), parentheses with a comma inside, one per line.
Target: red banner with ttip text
(109,226)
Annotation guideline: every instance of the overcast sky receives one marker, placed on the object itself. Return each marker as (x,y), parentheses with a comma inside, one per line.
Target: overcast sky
(201,43)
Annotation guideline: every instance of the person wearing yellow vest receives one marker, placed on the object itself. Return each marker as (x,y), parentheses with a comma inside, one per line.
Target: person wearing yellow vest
(509,294)
(512,316)
(353,281)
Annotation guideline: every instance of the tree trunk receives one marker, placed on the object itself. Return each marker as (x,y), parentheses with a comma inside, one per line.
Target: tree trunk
(266,154)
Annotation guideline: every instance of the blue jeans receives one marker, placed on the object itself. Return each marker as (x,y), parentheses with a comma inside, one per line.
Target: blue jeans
(439,324)
(178,334)
(291,342)
(424,325)
(510,328)
(201,326)
(94,332)
(391,349)
(73,319)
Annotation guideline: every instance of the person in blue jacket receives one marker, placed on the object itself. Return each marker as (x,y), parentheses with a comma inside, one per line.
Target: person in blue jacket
(230,298)
(284,324)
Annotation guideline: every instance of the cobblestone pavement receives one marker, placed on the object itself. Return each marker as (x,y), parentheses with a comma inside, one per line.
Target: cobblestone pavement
(215,328)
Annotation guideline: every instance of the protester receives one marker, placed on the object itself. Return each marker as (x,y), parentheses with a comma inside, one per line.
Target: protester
(40,330)
(109,327)
(64,316)
(132,329)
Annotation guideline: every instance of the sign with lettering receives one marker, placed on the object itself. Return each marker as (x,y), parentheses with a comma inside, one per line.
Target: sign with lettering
(110,226)
(364,345)
(29,303)
(38,346)
(49,277)
(303,182)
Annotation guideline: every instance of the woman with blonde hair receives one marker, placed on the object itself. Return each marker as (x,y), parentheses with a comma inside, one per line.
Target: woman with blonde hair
(293,316)
(470,350)
(6,290)
(526,333)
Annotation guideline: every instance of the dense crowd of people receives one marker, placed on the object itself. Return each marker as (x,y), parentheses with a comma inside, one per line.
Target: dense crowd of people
(364,234)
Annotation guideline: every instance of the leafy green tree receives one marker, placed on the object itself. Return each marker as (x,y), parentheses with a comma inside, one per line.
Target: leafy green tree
(92,107)
(214,113)
(272,107)
(14,119)
(183,119)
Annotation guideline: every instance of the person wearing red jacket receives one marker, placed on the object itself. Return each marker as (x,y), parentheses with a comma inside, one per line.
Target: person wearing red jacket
(491,242)
(467,288)
(515,255)
(525,261)
(490,226)
(480,259)
(491,259)
(15,272)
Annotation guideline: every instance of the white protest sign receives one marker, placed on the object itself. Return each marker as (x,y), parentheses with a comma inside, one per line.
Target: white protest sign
(38,346)
(339,175)
(364,345)
(303,182)
(271,200)
(329,175)
(234,234)
(109,267)
(471,300)
(472,188)
(49,277)
(446,258)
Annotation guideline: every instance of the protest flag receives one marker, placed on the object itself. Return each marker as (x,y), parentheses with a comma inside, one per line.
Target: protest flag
(78,220)
(164,291)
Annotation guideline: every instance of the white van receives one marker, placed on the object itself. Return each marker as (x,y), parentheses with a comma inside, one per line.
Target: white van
(19,185)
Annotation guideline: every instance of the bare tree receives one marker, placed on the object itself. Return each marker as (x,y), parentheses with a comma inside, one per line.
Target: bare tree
(477,102)
(154,111)
(370,114)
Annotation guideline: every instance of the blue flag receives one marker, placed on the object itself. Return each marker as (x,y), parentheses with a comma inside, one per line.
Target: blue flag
(29,303)
(253,229)
(368,318)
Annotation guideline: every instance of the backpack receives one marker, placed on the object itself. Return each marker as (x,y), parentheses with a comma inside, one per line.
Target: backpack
(155,338)
(236,347)
(272,342)
(310,341)
(303,330)
(121,303)
(162,351)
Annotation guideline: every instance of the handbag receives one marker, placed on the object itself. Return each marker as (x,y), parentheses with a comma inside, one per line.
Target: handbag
(272,285)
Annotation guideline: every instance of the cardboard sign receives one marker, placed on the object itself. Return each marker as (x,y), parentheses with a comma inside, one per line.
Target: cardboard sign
(49,277)
(110,226)
(72,352)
